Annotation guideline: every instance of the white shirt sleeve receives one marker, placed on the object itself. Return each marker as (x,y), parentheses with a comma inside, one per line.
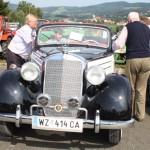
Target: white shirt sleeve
(25,33)
(21,43)
(121,40)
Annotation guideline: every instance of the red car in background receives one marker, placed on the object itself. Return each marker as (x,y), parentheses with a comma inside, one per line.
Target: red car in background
(6,33)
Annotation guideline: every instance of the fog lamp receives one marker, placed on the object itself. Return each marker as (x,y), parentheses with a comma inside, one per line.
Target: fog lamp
(73,103)
(43,100)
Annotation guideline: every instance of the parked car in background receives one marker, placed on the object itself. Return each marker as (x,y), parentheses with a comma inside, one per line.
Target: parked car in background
(6,34)
(68,85)
(14,26)
(42,21)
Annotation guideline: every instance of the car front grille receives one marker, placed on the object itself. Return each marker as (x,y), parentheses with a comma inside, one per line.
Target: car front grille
(63,79)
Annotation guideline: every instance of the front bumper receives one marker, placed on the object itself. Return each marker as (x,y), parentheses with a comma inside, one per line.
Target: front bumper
(96,124)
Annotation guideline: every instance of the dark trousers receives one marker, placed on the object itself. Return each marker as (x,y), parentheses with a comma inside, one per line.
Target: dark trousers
(13,60)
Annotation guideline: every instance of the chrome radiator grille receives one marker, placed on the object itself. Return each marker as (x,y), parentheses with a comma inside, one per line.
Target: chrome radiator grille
(63,80)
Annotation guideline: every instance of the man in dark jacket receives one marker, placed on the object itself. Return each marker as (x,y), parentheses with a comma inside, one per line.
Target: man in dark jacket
(136,36)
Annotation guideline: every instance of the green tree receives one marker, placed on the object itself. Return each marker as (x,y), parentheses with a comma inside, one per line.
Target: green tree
(29,8)
(4,9)
(17,16)
(23,9)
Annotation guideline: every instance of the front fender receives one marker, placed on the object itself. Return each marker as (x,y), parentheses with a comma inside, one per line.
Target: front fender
(114,99)
(12,91)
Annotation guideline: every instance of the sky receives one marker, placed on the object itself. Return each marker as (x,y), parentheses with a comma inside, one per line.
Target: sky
(47,3)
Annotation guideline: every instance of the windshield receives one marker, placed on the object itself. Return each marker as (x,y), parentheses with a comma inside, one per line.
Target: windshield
(80,35)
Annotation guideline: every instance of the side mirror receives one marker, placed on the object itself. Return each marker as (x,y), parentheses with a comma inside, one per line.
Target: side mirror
(33,34)
(114,37)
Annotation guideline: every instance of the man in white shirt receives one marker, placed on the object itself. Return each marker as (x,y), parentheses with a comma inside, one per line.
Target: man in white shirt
(20,46)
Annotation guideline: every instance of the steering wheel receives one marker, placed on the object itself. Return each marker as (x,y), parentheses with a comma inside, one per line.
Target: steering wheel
(91,42)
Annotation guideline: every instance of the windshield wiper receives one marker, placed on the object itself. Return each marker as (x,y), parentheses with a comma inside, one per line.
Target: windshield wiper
(45,36)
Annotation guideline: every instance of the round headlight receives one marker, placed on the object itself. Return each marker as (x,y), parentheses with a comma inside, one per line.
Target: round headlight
(95,75)
(30,71)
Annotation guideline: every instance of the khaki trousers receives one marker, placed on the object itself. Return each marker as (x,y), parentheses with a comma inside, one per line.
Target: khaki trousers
(138,70)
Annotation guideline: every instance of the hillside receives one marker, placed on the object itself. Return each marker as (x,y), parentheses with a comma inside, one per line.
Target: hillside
(109,10)
(113,10)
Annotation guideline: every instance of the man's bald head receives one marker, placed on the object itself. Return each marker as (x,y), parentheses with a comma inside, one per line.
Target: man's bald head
(133,16)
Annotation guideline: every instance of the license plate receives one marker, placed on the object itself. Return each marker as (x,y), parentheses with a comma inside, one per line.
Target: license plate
(57,124)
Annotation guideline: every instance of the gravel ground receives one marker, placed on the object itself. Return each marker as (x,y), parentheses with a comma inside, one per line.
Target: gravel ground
(2,64)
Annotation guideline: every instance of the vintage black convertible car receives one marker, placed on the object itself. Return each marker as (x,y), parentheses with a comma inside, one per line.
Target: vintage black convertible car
(68,85)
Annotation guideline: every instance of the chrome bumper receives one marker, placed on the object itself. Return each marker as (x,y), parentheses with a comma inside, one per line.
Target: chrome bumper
(96,124)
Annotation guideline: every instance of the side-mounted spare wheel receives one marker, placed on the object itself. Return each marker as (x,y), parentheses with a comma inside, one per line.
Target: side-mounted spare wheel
(7,129)
(114,136)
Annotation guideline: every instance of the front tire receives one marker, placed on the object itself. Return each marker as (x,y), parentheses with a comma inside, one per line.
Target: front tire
(7,129)
(114,136)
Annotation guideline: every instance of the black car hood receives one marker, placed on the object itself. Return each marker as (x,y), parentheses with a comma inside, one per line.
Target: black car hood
(90,56)
(86,55)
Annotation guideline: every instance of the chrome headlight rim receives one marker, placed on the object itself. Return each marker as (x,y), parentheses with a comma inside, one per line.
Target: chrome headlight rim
(95,75)
(30,71)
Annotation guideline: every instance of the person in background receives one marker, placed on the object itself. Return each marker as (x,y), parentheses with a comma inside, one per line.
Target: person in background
(136,36)
(58,36)
(20,46)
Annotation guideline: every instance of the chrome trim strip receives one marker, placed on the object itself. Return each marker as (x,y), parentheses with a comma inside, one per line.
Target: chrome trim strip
(37,106)
(18,115)
(97,121)
(116,124)
(86,112)
(90,124)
